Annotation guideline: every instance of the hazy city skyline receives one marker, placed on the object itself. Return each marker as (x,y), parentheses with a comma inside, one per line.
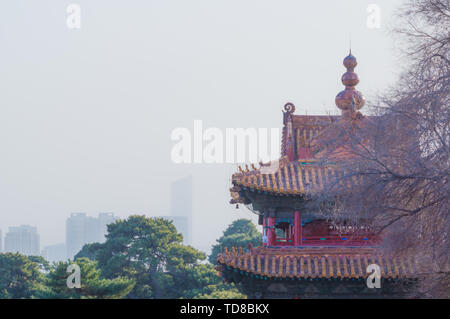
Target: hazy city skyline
(83,229)
(87,114)
(23,239)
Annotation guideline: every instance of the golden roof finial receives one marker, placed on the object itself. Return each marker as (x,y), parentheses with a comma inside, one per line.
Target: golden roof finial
(350,100)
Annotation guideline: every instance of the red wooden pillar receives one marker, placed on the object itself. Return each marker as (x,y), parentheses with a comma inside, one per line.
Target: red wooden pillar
(264,226)
(271,238)
(297,228)
(264,231)
(300,228)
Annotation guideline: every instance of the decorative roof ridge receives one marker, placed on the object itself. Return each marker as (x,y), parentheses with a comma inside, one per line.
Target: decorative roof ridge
(314,118)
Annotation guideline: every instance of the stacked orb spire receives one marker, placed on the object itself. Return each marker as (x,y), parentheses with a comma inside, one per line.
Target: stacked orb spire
(350,100)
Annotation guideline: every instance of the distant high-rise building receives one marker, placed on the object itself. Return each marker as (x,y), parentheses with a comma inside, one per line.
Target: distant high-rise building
(82,229)
(54,253)
(104,220)
(182,225)
(1,242)
(75,233)
(22,239)
(181,207)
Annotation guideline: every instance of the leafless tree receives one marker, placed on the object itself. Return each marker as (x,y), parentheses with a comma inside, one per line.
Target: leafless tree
(394,165)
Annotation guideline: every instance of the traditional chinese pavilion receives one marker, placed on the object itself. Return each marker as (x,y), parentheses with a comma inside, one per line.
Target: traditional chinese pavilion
(304,255)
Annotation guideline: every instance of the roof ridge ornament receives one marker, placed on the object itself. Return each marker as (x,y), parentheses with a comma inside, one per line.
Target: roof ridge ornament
(288,111)
(289,108)
(288,132)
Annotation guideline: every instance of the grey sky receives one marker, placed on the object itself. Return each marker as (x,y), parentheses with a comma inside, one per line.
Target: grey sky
(86,115)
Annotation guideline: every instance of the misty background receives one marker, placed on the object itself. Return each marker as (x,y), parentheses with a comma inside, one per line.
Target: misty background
(86,114)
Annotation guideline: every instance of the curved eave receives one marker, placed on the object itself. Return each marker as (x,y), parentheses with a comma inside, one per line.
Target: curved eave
(258,276)
(311,263)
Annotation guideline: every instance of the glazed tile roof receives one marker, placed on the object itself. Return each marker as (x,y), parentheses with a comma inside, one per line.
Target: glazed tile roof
(319,262)
(292,178)
(306,128)
(305,172)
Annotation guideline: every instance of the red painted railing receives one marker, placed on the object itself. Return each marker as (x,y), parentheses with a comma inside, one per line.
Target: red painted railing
(350,240)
